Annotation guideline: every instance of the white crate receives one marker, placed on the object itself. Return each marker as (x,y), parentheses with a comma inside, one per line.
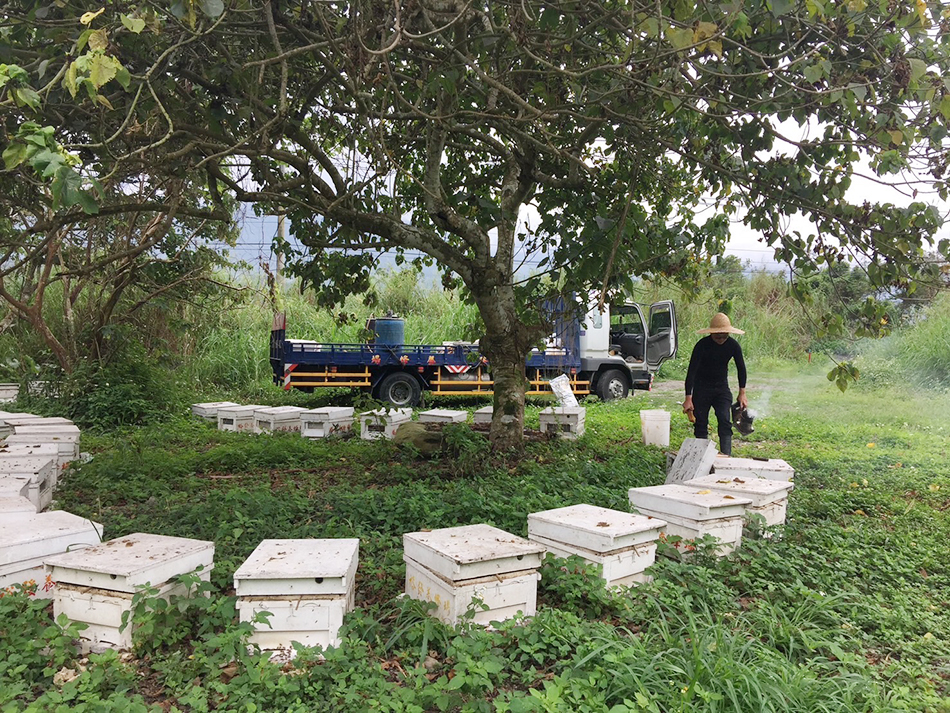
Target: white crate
(774,469)
(382,423)
(127,563)
(238,418)
(9,392)
(442,415)
(470,551)
(209,410)
(324,422)
(29,575)
(284,419)
(564,421)
(310,621)
(769,497)
(36,487)
(102,611)
(26,540)
(505,594)
(483,415)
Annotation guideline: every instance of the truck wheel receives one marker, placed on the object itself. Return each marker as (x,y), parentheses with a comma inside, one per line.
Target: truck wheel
(612,384)
(401,390)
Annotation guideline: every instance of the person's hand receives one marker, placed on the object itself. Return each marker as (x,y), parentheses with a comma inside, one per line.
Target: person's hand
(688,404)
(743,401)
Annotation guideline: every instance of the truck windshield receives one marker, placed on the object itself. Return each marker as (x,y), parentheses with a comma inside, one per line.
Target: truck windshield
(626,319)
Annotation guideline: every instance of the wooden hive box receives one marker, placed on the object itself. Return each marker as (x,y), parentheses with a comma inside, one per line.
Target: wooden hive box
(209,410)
(382,423)
(622,543)
(306,585)
(564,421)
(325,422)
(769,497)
(238,418)
(279,419)
(96,585)
(691,513)
(451,567)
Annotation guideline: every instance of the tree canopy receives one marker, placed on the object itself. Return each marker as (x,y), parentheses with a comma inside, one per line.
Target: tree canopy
(634,130)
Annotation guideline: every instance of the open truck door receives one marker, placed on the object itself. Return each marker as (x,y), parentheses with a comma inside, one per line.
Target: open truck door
(661,337)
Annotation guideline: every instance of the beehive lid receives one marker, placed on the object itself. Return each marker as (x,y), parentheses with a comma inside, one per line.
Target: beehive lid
(396,414)
(45,533)
(279,412)
(298,567)
(238,411)
(681,501)
(577,411)
(594,528)
(15,505)
(27,465)
(63,429)
(774,468)
(126,563)
(444,415)
(470,551)
(15,485)
(329,413)
(31,420)
(28,447)
(761,491)
(210,408)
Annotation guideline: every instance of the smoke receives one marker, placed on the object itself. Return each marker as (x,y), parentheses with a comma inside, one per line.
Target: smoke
(759,406)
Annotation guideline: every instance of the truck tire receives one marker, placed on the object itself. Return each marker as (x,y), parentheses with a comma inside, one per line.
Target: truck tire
(400,389)
(612,384)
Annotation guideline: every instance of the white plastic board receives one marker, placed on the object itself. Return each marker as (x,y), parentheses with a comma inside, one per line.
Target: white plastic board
(693,460)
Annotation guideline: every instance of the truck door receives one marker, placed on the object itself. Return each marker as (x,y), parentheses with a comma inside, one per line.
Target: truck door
(661,334)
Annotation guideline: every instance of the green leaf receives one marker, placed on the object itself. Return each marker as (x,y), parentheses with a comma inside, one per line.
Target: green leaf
(26,95)
(680,38)
(14,155)
(98,39)
(70,79)
(211,8)
(132,24)
(782,7)
(88,203)
(102,69)
(918,68)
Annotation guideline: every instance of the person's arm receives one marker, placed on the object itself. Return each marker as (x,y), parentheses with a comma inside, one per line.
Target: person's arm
(691,378)
(741,374)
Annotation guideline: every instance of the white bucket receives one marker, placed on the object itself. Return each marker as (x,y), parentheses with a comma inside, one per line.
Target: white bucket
(656,427)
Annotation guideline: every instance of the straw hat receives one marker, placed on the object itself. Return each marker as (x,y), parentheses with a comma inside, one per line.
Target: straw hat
(720,324)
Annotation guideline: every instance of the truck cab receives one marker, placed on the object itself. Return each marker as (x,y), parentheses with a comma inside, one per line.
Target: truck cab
(622,347)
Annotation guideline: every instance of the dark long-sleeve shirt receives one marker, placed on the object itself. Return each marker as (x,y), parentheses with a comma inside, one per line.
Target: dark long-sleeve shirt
(709,364)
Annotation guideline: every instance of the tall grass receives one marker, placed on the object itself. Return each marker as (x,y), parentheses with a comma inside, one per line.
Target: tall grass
(916,355)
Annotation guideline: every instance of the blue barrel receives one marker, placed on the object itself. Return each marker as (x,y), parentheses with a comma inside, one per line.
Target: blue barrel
(390,332)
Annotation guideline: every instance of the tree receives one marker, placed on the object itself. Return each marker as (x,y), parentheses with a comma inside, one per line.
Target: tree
(433,125)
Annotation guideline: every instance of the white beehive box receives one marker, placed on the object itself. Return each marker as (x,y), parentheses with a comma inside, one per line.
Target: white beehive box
(691,513)
(769,497)
(774,468)
(27,540)
(209,410)
(622,543)
(279,419)
(564,421)
(442,415)
(328,421)
(238,418)
(483,416)
(35,486)
(307,586)
(9,392)
(62,450)
(95,585)
(42,470)
(382,423)
(454,565)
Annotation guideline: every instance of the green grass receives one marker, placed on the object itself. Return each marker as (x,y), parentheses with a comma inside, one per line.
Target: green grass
(845,609)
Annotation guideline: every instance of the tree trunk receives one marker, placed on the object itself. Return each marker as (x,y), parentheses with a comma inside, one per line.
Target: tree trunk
(506,344)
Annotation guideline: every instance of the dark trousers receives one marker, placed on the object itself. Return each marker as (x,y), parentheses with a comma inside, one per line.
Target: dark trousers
(718,398)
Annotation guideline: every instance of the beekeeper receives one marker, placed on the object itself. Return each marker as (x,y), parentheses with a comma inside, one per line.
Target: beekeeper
(707,380)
